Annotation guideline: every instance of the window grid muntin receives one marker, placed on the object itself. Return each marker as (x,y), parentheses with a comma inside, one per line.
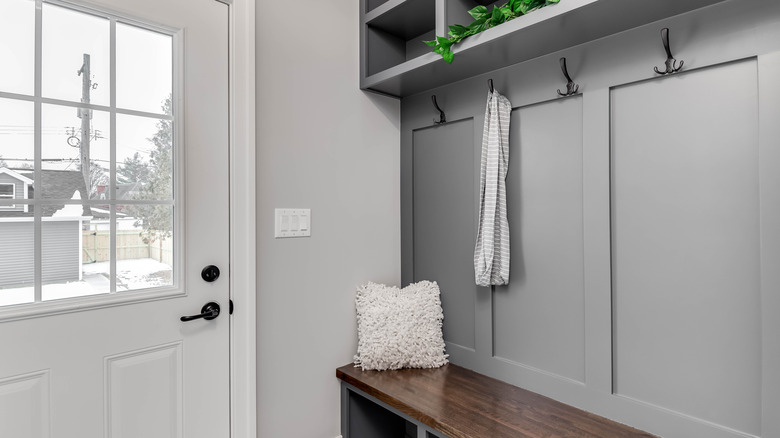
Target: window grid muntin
(38,100)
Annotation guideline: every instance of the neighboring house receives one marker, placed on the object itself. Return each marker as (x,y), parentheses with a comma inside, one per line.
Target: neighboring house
(123,191)
(101,214)
(13,186)
(61,226)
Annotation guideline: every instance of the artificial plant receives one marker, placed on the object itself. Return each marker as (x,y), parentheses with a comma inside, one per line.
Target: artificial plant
(484,20)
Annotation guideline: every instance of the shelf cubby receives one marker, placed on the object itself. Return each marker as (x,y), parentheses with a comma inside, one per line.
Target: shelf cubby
(368,419)
(395,31)
(457,11)
(373,4)
(394,61)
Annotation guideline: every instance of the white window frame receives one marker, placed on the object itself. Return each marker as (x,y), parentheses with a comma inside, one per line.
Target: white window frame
(112,298)
(12,197)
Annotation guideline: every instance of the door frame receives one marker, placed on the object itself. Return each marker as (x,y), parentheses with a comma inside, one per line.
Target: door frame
(243,343)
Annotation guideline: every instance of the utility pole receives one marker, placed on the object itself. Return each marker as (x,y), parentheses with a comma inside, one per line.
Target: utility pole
(85,115)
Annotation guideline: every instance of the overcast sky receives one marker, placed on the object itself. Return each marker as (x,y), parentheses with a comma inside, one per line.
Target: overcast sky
(144,78)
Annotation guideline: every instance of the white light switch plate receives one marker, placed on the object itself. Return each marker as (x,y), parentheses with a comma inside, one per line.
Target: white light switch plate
(292,222)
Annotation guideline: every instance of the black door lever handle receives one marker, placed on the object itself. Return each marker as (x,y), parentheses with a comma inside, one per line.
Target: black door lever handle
(208,312)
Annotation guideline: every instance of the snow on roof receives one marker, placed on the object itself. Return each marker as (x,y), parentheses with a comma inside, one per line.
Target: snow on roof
(71,210)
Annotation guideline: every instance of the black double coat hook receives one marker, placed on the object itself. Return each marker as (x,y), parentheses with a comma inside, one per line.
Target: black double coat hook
(671,63)
(571,87)
(442,117)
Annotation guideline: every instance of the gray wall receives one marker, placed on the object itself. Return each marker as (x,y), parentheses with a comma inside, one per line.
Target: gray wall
(644,227)
(325,145)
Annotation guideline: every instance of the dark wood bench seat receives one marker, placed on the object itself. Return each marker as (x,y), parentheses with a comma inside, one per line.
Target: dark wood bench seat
(459,403)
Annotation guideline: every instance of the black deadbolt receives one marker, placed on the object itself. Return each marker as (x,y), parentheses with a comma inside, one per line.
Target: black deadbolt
(210,273)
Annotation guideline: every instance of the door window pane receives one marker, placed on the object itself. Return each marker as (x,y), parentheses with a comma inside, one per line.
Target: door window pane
(63,272)
(144,245)
(75,46)
(17,257)
(68,134)
(17,32)
(101,182)
(144,151)
(144,68)
(16,136)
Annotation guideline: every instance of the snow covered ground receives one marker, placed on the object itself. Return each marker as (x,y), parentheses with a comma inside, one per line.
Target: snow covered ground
(130,275)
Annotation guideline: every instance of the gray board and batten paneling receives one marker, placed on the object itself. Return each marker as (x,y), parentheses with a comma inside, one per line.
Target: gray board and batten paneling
(600,313)
(685,244)
(444,204)
(544,206)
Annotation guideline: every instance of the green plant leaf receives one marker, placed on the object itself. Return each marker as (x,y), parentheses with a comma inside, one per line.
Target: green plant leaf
(479,12)
(458,30)
(522,8)
(483,20)
(444,42)
(505,11)
(477,23)
(478,26)
(497,17)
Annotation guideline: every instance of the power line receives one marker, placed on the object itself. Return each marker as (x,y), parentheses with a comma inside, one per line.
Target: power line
(56,160)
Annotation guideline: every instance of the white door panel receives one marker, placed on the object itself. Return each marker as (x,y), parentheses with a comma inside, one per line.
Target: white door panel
(108,366)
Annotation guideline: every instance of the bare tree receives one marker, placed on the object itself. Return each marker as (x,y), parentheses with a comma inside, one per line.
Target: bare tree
(97,178)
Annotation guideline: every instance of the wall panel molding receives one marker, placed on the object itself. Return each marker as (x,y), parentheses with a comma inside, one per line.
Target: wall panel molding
(543,305)
(769,180)
(442,197)
(685,244)
(25,405)
(144,393)
(713,37)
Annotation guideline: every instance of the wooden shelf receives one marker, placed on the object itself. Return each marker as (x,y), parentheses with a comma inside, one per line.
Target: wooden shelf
(553,28)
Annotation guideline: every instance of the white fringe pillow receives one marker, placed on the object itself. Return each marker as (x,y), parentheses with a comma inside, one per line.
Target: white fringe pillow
(399,328)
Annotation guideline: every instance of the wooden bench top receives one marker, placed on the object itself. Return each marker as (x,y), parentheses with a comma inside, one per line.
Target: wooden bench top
(464,404)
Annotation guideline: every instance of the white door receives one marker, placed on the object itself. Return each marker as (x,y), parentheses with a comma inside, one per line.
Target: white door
(113,198)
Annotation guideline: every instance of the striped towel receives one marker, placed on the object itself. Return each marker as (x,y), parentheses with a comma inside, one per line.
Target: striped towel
(491,254)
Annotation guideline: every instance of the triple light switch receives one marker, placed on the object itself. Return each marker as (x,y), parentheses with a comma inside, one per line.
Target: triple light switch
(292,222)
